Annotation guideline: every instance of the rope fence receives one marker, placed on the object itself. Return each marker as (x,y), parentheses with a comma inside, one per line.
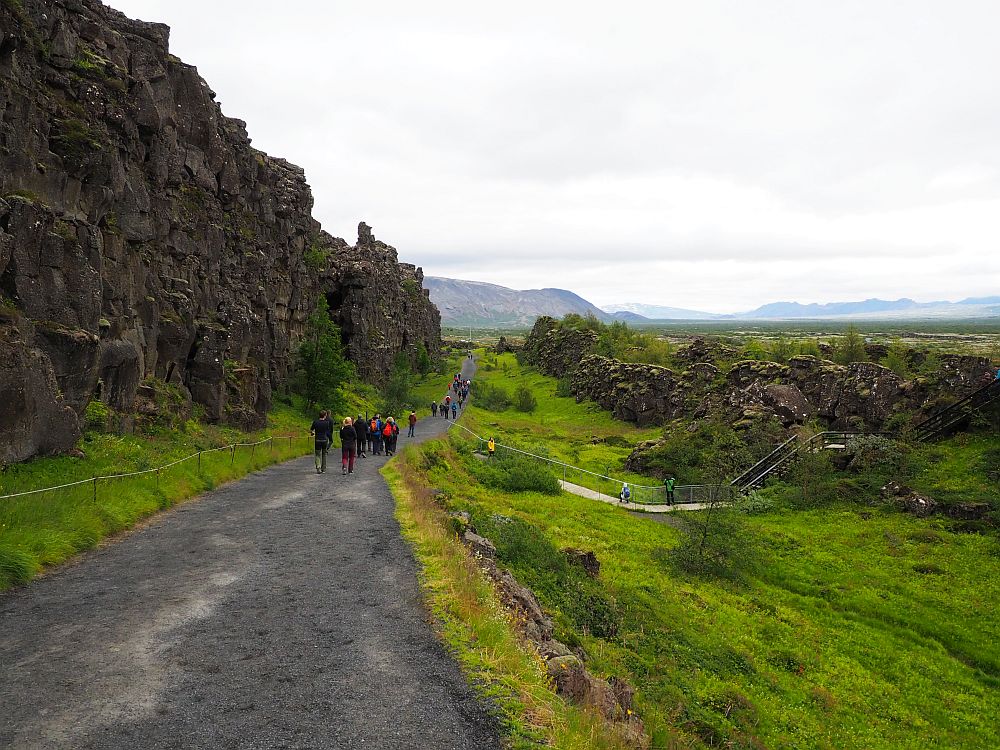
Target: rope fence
(232,449)
(607,485)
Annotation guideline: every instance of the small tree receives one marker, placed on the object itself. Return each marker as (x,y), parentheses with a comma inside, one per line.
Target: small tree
(895,359)
(782,349)
(396,392)
(851,347)
(524,400)
(320,366)
(424,362)
(716,540)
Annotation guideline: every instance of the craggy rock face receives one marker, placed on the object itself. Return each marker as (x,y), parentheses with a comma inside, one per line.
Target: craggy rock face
(861,396)
(142,235)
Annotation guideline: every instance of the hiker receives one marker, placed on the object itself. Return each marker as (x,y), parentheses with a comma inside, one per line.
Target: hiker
(361,427)
(322,428)
(625,494)
(348,445)
(668,484)
(491,447)
(434,408)
(413,423)
(389,432)
(447,406)
(371,435)
(454,410)
(377,431)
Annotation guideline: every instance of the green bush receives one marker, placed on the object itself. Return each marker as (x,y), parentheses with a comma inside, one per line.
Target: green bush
(511,472)
(524,400)
(491,397)
(96,416)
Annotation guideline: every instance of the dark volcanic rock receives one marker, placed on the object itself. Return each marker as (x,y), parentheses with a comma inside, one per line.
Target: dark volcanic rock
(142,235)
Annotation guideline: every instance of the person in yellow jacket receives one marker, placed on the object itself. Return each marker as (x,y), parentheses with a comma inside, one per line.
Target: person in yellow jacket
(491,447)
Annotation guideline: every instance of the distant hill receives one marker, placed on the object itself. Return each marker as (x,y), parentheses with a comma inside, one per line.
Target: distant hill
(972,307)
(657,312)
(477,304)
(482,305)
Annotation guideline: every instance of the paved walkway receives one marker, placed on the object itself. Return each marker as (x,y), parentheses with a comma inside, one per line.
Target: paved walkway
(280,611)
(641,507)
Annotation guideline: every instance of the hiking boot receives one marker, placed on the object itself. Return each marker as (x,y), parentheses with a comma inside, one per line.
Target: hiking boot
(345,471)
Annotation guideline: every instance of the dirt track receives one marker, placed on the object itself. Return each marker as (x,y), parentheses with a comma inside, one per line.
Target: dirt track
(281,611)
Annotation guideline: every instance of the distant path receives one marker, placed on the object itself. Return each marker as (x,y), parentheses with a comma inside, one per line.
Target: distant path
(282,610)
(658,508)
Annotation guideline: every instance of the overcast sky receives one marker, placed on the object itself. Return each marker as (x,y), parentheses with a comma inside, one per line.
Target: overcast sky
(709,155)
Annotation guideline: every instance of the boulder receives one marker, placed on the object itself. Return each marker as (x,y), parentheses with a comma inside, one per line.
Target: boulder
(480,546)
(917,504)
(968,511)
(585,559)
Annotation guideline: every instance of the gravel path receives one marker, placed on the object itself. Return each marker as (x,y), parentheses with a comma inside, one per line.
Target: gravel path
(280,611)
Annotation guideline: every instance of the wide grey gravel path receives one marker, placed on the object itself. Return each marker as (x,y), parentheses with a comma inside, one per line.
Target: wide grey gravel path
(280,611)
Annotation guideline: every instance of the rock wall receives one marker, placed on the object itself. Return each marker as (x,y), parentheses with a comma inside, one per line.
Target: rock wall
(142,235)
(862,396)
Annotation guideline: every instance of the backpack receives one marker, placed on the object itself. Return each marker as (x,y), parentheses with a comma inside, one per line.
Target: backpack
(387,430)
(626,493)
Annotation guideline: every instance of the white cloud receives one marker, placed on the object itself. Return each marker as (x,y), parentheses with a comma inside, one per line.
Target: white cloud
(714,155)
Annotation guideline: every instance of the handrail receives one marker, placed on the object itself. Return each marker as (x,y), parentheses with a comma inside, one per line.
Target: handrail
(638,487)
(155,470)
(764,460)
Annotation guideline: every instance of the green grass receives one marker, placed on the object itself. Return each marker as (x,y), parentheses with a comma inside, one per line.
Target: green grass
(582,435)
(45,529)
(854,626)
(478,629)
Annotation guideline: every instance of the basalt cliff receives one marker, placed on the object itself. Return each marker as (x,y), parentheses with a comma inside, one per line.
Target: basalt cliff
(142,236)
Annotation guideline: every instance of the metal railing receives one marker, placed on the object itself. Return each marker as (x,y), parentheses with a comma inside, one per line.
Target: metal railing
(158,470)
(611,486)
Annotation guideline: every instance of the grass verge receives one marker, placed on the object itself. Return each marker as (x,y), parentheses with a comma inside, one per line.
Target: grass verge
(475,625)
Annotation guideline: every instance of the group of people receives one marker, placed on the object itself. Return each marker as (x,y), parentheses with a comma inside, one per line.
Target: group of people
(358,436)
(668,485)
(448,406)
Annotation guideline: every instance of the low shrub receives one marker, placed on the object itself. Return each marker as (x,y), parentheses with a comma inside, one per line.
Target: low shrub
(524,400)
(95,416)
(491,397)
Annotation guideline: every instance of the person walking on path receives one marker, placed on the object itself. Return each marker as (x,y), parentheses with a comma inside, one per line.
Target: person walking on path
(491,447)
(454,410)
(322,429)
(413,423)
(379,441)
(434,408)
(361,427)
(348,445)
(668,484)
(447,406)
(625,495)
(389,434)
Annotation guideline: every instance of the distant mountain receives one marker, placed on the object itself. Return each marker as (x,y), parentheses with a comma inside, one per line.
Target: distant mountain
(877,309)
(477,304)
(657,312)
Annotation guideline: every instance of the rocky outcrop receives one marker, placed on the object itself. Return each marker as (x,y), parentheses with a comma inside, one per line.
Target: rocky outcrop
(557,350)
(859,396)
(141,235)
(612,698)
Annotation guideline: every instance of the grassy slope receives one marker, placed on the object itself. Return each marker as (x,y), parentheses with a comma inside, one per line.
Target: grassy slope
(479,630)
(583,435)
(860,629)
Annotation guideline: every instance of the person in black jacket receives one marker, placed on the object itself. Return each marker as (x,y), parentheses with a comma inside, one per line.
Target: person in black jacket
(349,445)
(361,427)
(322,428)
